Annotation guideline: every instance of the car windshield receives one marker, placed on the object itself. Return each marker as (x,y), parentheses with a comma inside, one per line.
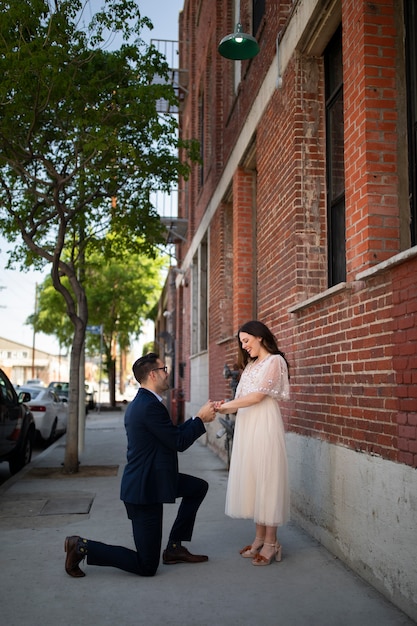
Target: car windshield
(34,391)
(59,387)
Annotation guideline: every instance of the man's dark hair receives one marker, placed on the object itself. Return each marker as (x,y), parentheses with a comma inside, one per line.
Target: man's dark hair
(144,365)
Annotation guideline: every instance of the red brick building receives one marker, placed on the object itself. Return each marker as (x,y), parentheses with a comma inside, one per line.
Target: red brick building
(303,214)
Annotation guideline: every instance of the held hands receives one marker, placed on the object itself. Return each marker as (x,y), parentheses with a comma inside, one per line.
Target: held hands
(219,408)
(207,412)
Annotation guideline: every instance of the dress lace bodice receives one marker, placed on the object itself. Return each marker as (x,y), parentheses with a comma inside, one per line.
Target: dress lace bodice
(269,376)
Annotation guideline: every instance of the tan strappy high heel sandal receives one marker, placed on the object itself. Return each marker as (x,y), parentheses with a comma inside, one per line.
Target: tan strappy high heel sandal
(249,552)
(260,559)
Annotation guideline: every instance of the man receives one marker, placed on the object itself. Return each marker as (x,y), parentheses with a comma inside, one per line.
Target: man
(150,478)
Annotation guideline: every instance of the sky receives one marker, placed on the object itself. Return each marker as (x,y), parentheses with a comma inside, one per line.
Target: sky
(17,289)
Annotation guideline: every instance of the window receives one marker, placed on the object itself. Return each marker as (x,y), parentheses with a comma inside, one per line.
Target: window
(410,17)
(201,128)
(6,391)
(336,230)
(258,11)
(199,299)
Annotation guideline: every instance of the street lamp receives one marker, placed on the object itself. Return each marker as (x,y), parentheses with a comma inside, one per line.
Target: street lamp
(238,46)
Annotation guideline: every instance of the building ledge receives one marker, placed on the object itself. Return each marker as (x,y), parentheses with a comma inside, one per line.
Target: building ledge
(397,259)
(320,296)
(401,257)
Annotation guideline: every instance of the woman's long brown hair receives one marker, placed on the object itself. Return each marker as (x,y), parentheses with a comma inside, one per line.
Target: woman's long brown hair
(258,329)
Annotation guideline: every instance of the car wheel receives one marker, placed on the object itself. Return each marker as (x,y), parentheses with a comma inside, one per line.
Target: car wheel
(52,435)
(22,456)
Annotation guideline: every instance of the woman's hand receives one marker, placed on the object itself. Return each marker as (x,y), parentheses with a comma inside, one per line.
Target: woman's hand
(223,407)
(227,407)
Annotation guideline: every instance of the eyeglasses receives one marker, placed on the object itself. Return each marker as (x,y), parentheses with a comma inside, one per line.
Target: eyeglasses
(160,368)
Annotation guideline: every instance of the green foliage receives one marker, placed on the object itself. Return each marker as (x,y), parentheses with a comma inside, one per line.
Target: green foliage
(148,347)
(121,295)
(79,126)
(50,316)
(82,147)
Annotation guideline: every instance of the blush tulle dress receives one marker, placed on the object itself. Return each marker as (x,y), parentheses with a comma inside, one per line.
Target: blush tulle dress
(258,477)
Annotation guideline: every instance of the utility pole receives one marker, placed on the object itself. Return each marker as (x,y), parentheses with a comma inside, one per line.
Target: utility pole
(34,331)
(2,306)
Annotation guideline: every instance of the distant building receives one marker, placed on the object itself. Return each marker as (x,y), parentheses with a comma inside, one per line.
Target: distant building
(21,363)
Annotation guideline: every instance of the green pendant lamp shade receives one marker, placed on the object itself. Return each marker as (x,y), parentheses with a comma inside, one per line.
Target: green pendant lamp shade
(238,46)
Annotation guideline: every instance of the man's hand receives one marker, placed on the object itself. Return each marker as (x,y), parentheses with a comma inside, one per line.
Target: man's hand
(207,412)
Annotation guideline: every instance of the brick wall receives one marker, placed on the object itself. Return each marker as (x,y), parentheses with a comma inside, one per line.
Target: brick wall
(351,420)
(369,57)
(344,378)
(404,349)
(353,350)
(243,246)
(220,298)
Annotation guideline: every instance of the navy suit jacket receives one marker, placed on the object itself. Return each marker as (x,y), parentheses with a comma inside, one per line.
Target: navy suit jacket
(153,441)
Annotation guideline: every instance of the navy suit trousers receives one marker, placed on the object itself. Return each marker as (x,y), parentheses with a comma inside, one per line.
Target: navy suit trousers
(147,531)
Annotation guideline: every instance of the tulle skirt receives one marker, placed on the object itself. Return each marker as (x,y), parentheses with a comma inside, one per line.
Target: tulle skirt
(258,477)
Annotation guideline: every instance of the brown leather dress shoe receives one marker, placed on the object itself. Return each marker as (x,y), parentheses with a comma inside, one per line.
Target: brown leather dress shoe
(181,555)
(76,549)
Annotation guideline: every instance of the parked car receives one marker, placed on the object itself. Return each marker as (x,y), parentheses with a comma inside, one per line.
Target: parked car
(35,381)
(17,426)
(50,412)
(62,390)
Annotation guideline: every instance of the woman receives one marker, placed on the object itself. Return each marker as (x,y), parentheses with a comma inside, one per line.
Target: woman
(258,476)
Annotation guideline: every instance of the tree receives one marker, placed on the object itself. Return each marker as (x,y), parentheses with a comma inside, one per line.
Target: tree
(121,295)
(50,315)
(79,128)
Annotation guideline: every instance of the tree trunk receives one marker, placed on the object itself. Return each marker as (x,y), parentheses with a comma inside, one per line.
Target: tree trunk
(71,461)
(112,382)
(122,371)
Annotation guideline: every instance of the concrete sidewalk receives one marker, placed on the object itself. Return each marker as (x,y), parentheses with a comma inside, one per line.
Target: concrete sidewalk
(40,506)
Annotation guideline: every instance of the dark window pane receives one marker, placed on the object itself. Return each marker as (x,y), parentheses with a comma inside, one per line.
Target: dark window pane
(410,16)
(258,10)
(335,160)
(337,244)
(335,131)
